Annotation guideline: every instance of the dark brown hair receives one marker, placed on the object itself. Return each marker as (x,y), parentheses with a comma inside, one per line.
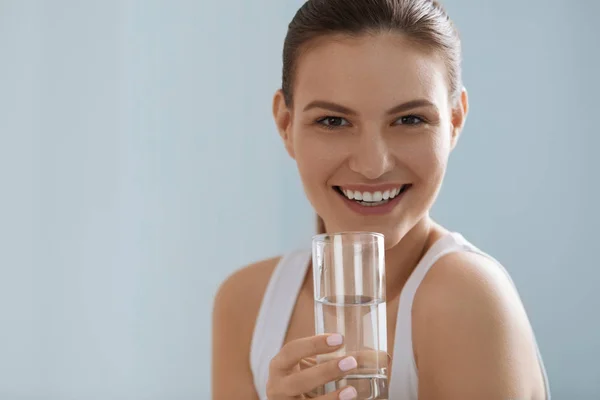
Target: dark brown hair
(424,22)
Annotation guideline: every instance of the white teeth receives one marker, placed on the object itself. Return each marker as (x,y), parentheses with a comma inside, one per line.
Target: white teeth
(371,197)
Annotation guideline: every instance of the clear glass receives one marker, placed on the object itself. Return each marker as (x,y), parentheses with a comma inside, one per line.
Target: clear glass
(349,288)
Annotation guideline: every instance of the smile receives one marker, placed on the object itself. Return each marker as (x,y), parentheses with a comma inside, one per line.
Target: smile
(372,201)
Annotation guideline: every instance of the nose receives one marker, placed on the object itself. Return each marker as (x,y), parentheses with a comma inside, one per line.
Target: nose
(372,157)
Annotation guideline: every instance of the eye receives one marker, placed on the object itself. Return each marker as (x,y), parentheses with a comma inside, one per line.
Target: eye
(332,122)
(409,120)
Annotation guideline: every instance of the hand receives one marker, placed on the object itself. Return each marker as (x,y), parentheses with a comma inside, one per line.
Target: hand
(287,381)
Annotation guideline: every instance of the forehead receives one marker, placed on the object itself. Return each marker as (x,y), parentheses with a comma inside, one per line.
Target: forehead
(369,71)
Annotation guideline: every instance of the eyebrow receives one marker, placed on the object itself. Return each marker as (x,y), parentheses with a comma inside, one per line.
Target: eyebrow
(409,105)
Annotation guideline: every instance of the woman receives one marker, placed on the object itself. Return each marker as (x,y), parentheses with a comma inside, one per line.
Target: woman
(370,108)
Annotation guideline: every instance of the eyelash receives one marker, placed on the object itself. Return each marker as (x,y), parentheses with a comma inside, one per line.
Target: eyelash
(321,121)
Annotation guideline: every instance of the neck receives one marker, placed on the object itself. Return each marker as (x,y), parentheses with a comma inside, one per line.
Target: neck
(402,259)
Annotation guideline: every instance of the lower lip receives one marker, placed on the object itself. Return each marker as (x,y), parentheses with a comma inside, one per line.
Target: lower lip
(373,210)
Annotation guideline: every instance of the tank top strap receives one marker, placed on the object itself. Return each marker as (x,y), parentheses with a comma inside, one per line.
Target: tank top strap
(447,244)
(274,315)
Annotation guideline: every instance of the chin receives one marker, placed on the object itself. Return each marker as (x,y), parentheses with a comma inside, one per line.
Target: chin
(393,234)
(394,228)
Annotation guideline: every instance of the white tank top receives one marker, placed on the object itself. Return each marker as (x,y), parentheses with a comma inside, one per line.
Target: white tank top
(280,298)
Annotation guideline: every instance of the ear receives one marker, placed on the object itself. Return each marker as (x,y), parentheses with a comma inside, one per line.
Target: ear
(283,120)
(459,116)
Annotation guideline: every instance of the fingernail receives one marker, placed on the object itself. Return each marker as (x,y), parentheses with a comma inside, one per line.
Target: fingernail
(347,364)
(348,393)
(335,340)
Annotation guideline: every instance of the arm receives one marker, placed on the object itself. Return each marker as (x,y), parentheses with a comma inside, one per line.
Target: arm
(472,337)
(235,310)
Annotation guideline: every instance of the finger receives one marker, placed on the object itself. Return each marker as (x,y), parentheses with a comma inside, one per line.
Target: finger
(308,379)
(291,354)
(347,393)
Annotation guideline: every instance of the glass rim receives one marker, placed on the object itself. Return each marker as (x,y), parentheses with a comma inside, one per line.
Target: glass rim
(325,237)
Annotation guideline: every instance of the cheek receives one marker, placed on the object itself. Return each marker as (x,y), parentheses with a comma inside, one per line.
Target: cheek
(315,157)
(317,161)
(427,157)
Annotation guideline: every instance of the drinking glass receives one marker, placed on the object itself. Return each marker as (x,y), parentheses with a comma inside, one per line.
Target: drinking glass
(349,290)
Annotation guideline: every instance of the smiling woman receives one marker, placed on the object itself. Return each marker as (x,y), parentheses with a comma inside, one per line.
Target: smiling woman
(388,120)
(371,107)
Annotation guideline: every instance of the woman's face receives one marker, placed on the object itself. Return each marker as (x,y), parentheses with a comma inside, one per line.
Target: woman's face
(371,130)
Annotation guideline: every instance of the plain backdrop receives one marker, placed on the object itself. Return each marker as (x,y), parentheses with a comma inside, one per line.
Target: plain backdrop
(139,166)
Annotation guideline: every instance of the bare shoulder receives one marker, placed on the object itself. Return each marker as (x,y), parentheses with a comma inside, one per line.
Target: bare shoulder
(471,290)
(465,278)
(250,279)
(242,292)
(236,307)
(471,334)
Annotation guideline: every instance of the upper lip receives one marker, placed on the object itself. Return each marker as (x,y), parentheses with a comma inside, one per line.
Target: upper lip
(371,188)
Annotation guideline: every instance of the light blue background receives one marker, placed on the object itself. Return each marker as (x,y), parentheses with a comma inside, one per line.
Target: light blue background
(139,166)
